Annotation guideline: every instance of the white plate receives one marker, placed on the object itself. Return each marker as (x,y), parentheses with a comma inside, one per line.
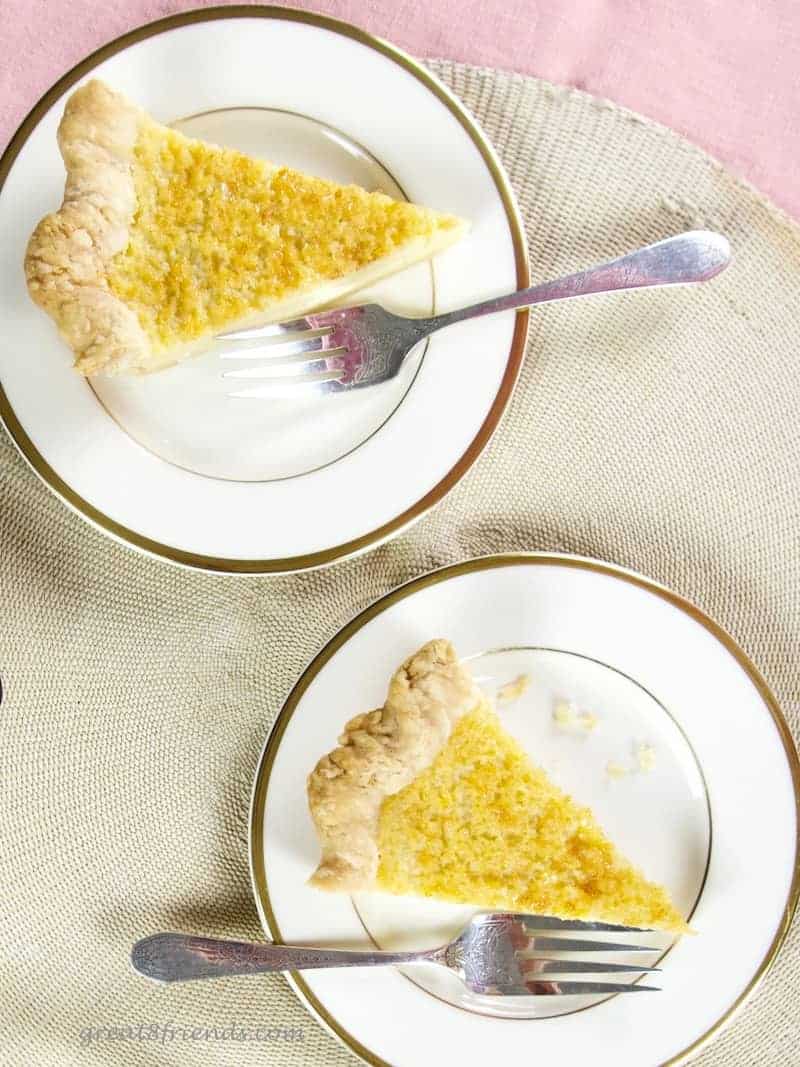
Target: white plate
(715,820)
(169,464)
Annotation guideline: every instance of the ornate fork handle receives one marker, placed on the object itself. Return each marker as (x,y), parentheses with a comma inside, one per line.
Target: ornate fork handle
(689,257)
(171,957)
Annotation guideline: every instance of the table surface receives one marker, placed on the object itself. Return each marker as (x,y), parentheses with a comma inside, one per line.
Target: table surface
(725,73)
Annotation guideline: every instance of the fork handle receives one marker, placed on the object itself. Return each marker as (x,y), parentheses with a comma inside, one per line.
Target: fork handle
(694,256)
(171,957)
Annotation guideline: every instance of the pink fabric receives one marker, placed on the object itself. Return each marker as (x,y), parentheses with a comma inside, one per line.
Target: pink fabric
(726,73)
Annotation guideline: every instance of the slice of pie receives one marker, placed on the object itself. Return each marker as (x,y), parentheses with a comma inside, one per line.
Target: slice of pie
(163,241)
(429,795)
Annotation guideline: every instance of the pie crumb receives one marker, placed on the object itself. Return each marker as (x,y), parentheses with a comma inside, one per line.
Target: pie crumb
(567,718)
(564,714)
(513,690)
(615,770)
(646,757)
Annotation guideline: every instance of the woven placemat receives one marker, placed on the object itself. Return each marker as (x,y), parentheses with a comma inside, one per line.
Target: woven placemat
(657,430)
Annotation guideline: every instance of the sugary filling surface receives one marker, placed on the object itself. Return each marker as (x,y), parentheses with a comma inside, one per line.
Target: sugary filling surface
(217,235)
(484,826)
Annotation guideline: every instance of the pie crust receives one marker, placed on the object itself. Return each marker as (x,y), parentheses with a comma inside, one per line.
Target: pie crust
(70,251)
(381,752)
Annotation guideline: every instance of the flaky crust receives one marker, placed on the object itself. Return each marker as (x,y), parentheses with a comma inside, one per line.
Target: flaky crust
(380,753)
(69,254)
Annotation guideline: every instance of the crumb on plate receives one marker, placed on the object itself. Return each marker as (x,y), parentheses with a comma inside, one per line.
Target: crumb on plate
(567,717)
(564,714)
(646,757)
(513,690)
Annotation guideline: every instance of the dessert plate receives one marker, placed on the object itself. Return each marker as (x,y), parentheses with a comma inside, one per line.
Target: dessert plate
(711,812)
(169,463)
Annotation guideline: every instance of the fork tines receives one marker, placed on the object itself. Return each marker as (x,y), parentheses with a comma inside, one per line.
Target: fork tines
(273,329)
(290,354)
(543,953)
(549,922)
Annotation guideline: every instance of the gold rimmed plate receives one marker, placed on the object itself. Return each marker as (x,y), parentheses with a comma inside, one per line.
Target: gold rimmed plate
(714,817)
(168,464)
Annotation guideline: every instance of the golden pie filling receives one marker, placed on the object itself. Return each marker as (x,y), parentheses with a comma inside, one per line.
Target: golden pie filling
(482,825)
(218,235)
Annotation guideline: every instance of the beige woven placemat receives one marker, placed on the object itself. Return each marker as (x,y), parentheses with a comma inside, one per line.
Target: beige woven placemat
(659,431)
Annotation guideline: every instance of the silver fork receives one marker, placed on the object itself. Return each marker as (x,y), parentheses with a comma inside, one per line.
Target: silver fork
(348,348)
(496,954)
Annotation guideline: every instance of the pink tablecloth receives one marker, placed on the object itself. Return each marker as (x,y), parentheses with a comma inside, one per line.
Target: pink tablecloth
(723,72)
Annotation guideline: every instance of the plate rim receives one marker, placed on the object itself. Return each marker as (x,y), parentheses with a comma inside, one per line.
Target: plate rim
(365,542)
(494,561)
